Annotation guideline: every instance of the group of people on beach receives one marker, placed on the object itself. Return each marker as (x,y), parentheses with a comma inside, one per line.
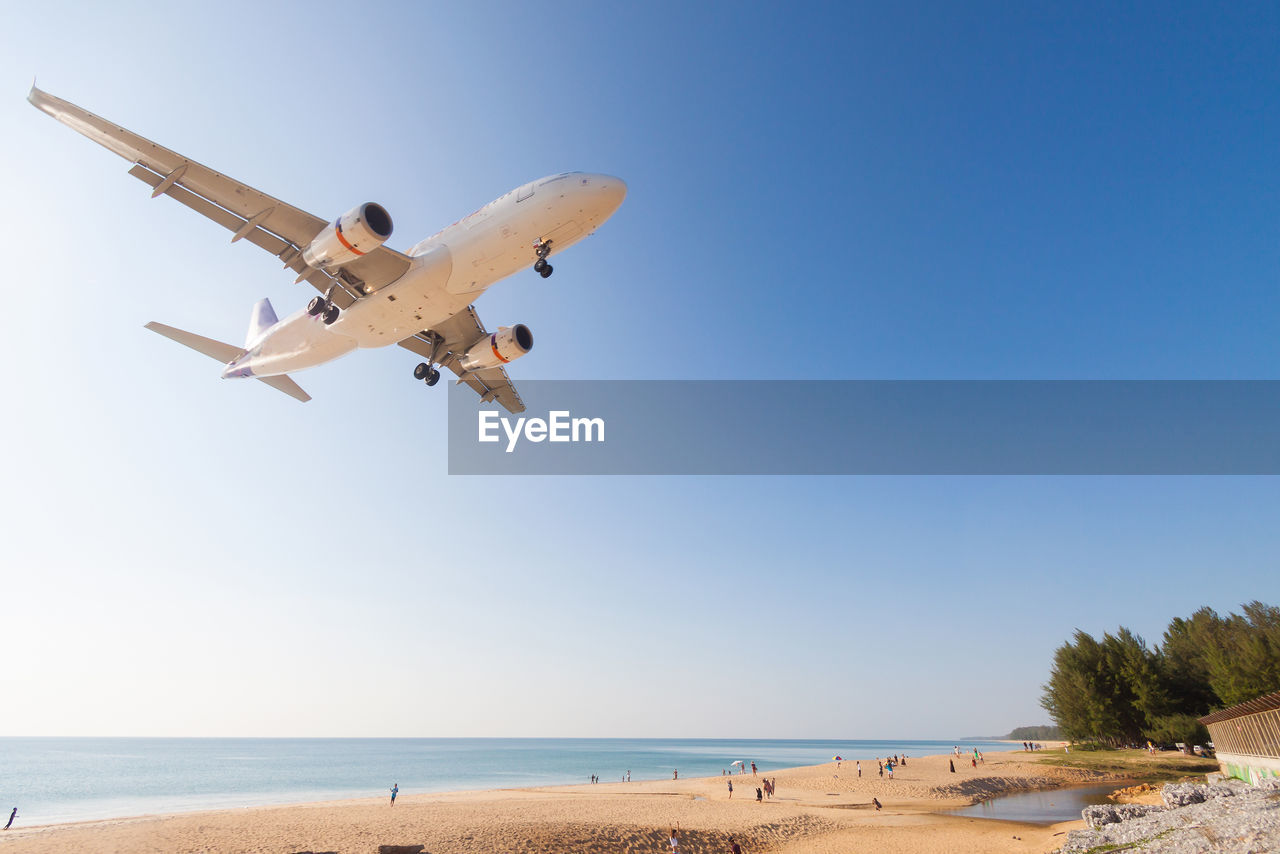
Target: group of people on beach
(766,787)
(742,769)
(1029,746)
(887,764)
(975,760)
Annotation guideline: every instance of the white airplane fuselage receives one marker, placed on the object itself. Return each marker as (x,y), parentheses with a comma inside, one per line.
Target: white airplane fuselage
(449,271)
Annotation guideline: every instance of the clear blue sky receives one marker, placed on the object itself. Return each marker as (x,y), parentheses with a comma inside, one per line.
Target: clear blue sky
(950,190)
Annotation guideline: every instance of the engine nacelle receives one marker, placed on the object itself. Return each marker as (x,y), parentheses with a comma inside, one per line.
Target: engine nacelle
(506,345)
(357,232)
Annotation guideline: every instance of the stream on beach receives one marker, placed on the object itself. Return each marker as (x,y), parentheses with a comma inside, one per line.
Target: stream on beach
(1045,806)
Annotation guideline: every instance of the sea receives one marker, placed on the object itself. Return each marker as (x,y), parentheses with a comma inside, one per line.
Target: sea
(58,780)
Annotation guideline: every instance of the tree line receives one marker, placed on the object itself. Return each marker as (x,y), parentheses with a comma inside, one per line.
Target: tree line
(1035,733)
(1117,690)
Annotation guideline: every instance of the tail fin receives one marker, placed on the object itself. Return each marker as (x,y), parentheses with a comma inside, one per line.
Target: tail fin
(262,319)
(226,352)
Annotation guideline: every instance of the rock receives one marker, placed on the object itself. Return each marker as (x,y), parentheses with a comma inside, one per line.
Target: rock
(1227,817)
(1182,794)
(1101,814)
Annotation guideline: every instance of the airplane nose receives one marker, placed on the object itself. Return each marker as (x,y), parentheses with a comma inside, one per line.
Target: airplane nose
(613,190)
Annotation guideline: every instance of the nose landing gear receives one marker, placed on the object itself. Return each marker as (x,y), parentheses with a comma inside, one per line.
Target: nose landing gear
(543,249)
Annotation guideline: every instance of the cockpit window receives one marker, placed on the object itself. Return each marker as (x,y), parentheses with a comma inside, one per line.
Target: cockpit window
(559,177)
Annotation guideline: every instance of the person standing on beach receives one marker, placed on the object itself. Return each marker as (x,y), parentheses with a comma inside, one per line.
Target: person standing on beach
(734,848)
(881,764)
(628,775)
(674,842)
(731,789)
(12,816)
(753,769)
(952,763)
(859,763)
(395,790)
(675,774)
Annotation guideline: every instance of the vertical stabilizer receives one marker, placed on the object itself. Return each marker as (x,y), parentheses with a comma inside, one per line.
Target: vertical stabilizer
(262,319)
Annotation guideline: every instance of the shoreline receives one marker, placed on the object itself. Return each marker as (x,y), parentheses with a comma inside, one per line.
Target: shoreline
(66,780)
(818,808)
(191,791)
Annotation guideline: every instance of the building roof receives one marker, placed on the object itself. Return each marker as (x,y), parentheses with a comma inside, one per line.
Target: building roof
(1265,703)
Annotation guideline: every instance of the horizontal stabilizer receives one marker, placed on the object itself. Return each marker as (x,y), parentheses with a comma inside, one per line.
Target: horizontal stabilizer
(225,353)
(213,349)
(288,386)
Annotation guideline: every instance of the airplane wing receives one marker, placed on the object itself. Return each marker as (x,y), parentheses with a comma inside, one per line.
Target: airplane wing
(279,228)
(446,343)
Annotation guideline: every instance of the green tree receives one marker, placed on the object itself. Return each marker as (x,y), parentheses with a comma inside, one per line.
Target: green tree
(1102,690)
(1184,661)
(1118,690)
(1247,663)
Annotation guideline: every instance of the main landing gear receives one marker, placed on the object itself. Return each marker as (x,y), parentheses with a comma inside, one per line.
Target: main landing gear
(426,372)
(325,307)
(541,267)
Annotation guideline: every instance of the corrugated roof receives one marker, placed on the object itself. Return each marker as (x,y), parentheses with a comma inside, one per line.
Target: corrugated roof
(1265,703)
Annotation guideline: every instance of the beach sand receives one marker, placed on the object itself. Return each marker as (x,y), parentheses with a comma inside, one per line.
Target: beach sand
(817,809)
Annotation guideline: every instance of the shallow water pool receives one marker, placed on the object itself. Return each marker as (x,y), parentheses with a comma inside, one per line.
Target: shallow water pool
(1042,807)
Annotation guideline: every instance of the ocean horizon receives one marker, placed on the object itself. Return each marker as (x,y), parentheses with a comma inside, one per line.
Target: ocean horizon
(54,780)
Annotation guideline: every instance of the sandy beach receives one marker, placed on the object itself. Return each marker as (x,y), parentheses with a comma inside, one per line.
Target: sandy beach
(818,808)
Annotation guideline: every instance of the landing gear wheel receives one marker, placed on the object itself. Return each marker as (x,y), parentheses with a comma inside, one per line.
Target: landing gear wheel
(433,377)
(542,248)
(316,306)
(422,371)
(330,315)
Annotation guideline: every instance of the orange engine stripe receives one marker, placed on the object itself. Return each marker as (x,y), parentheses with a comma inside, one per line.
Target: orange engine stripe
(337,229)
(493,343)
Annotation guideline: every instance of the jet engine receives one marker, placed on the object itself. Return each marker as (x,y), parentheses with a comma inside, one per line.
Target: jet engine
(506,345)
(357,232)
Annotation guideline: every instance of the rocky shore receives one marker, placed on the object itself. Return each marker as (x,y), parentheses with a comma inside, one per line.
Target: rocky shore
(1221,816)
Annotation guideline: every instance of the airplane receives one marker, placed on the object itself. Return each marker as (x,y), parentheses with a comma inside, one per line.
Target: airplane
(370,295)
